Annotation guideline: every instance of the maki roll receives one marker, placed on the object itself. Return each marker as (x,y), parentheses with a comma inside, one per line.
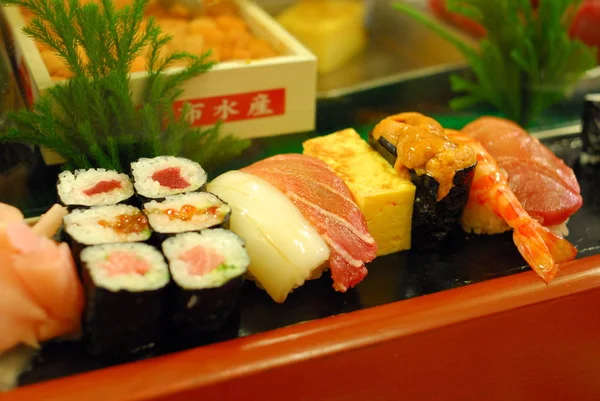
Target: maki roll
(208,271)
(125,289)
(93,187)
(164,176)
(187,212)
(441,171)
(105,224)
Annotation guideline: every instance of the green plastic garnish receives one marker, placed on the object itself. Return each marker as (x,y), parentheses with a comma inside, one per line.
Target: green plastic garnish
(224,268)
(525,63)
(91,120)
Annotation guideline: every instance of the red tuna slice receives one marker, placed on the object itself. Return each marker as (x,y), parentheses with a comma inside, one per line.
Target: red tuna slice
(202,260)
(170,177)
(103,187)
(546,187)
(327,203)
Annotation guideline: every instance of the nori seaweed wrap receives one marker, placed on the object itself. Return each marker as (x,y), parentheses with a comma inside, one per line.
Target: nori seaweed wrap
(590,132)
(125,291)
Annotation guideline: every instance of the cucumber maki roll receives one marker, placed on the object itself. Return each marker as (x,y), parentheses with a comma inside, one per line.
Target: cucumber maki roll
(159,177)
(187,212)
(103,225)
(125,290)
(441,171)
(208,271)
(93,187)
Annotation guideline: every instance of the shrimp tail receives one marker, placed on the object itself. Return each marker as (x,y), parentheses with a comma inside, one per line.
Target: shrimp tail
(560,249)
(530,242)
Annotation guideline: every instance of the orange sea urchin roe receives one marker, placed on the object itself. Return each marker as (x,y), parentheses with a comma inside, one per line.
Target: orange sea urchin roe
(103,187)
(422,145)
(127,223)
(223,30)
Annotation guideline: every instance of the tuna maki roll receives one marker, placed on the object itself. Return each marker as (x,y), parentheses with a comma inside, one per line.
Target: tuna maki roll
(188,212)
(105,224)
(93,187)
(208,271)
(441,171)
(125,290)
(164,176)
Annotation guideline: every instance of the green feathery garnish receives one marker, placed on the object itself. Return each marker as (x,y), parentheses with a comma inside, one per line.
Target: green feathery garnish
(525,63)
(91,119)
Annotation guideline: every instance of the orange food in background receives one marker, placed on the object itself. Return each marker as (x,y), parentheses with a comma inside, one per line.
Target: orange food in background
(221,30)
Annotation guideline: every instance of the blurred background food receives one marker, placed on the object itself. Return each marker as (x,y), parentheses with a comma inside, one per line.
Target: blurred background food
(332,29)
(221,30)
(585,25)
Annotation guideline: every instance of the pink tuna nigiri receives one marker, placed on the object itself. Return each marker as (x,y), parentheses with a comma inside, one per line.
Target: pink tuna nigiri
(327,203)
(41,294)
(545,186)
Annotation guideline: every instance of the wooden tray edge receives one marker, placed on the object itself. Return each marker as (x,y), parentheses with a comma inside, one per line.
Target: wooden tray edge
(191,370)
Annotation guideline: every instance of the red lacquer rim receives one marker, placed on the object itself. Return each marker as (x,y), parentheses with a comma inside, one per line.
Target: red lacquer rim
(194,369)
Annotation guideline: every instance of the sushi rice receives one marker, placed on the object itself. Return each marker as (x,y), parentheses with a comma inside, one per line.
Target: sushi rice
(222,241)
(83,225)
(94,259)
(162,222)
(71,187)
(143,169)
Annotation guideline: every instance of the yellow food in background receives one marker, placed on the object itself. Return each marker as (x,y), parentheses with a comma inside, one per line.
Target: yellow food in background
(222,31)
(332,29)
(384,197)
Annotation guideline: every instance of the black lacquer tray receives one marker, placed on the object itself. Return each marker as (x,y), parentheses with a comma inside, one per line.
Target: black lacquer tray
(460,261)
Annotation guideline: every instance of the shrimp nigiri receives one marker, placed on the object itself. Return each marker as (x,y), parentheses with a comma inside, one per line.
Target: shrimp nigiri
(491,199)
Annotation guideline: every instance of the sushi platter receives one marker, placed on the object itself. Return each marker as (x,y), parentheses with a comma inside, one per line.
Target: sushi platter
(393,256)
(265,327)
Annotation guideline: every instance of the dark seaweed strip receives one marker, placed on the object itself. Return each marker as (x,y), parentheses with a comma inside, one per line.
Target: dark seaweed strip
(121,323)
(432,221)
(196,313)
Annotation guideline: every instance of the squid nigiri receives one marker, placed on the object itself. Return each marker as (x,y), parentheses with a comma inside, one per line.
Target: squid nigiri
(327,203)
(491,199)
(285,250)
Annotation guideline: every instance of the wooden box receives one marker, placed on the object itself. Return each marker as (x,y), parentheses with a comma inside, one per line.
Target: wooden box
(258,98)
(511,338)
